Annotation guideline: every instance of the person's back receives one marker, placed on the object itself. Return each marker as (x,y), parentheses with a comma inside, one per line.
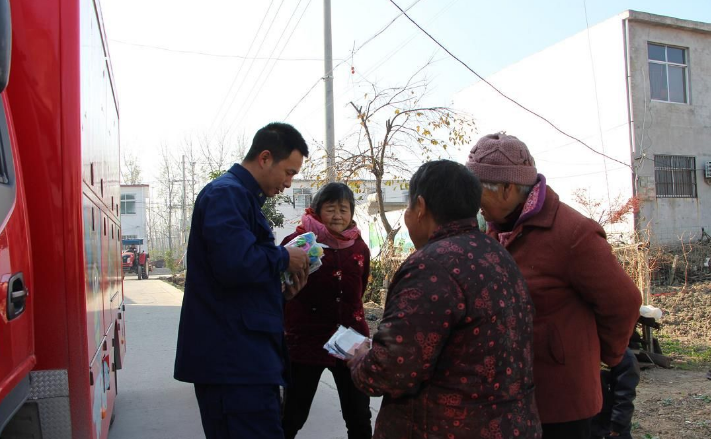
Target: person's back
(489,357)
(453,354)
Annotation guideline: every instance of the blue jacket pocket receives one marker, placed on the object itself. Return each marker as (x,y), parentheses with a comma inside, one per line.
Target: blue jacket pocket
(262,322)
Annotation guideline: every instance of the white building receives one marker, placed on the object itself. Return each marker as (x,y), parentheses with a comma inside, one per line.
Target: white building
(366,216)
(134,203)
(636,88)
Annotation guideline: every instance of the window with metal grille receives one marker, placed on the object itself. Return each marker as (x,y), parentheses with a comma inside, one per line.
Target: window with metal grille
(668,80)
(302,197)
(675,176)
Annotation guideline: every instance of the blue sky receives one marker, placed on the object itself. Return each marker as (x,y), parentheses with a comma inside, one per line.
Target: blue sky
(171,84)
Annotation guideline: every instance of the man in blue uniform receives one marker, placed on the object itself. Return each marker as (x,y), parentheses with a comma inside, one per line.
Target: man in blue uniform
(231,335)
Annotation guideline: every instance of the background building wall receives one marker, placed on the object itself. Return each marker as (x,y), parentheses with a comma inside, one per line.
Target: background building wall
(580,86)
(671,128)
(134,225)
(364,191)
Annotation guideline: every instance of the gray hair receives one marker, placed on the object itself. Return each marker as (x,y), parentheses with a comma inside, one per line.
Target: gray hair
(494,187)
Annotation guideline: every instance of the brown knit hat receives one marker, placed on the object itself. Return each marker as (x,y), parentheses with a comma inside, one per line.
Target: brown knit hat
(500,158)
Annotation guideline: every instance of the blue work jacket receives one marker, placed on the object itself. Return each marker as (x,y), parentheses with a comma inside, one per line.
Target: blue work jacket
(231,323)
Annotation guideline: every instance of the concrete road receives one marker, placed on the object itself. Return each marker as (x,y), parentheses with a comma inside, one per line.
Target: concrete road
(152,405)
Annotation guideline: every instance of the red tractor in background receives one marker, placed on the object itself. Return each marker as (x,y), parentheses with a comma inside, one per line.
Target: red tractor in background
(134,259)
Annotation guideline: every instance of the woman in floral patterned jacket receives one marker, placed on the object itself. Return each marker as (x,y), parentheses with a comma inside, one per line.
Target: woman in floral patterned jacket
(333,296)
(452,355)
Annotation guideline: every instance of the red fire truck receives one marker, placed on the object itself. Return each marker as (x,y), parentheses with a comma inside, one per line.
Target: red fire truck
(62,332)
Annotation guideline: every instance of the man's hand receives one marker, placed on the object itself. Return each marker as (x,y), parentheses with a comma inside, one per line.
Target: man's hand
(298,280)
(298,260)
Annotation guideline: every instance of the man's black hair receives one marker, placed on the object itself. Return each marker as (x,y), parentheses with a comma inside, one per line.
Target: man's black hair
(450,190)
(333,192)
(278,138)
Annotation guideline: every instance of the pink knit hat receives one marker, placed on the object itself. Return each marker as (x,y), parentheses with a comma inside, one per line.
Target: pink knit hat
(500,158)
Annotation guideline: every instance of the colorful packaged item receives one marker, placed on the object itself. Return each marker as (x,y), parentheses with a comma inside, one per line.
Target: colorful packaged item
(314,250)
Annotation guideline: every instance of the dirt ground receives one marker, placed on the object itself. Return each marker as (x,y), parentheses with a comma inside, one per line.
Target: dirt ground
(676,403)
(671,403)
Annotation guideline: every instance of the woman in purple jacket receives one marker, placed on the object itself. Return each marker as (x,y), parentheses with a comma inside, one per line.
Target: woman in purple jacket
(453,354)
(333,296)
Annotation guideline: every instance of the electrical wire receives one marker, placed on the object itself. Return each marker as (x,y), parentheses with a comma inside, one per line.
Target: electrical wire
(504,95)
(352,53)
(597,101)
(216,55)
(238,120)
(389,56)
(251,64)
(256,34)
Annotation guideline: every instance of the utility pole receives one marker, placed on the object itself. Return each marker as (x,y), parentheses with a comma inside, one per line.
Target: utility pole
(192,183)
(191,205)
(328,80)
(182,229)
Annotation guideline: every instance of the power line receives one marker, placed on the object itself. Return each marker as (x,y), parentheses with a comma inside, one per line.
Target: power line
(352,53)
(219,109)
(303,97)
(504,95)
(597,100)
(387,57)
(266,78)
(251,64)
(216,55)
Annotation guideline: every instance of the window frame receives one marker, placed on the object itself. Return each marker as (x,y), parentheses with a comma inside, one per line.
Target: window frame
(302,193)
(668,177)
(125,202)
(666,63)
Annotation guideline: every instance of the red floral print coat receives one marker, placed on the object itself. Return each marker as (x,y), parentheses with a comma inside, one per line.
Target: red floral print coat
(333,296)
(453,353)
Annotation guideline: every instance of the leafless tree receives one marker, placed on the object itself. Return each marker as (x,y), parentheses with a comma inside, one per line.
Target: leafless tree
(396,132)
(219,152)
(130,169)
(168,191)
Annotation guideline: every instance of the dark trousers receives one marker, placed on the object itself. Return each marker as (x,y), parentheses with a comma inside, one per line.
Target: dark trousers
(567,430)
(240,411)
(355,405)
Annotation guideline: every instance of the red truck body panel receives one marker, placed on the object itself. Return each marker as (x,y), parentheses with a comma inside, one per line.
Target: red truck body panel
(17,357)
(65,115)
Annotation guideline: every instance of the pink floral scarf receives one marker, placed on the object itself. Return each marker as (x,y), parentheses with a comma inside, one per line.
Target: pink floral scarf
(311,222)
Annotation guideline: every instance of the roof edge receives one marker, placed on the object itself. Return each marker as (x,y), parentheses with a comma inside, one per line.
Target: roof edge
(663,20)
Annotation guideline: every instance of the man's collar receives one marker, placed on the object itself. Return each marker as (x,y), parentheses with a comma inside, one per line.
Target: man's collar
(249,182)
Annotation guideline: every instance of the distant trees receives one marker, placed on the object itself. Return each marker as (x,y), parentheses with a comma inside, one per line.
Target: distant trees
(184,168)
(130,169)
